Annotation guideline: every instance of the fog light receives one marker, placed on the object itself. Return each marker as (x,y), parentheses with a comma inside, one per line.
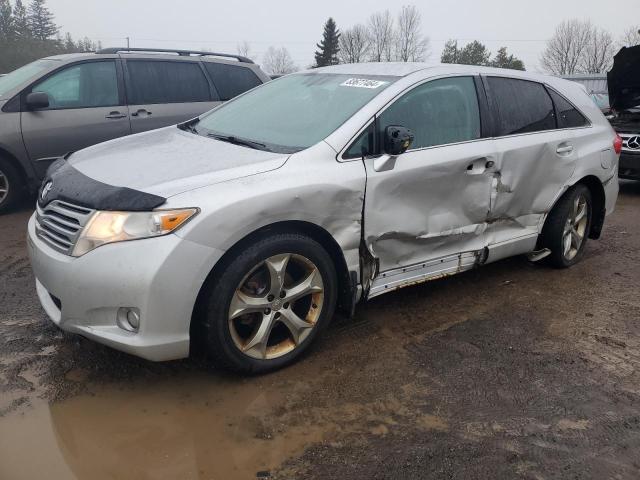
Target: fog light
(128,319)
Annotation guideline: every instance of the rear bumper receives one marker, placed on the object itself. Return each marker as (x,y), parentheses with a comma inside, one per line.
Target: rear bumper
(161,277)
(629,166)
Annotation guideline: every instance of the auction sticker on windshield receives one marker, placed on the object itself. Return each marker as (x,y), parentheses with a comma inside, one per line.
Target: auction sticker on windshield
(363,83)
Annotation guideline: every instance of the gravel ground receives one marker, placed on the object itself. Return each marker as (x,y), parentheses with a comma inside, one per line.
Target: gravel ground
(513,370)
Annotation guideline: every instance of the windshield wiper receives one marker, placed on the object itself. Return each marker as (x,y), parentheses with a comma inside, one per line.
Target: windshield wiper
(239,141)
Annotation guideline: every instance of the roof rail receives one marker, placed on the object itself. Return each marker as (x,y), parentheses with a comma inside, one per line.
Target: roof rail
(182,53)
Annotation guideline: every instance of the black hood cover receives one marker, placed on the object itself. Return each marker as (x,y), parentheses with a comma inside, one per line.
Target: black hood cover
(63,182)
(624,79)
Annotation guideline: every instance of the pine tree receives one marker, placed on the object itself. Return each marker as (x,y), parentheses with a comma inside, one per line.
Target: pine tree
(474,53)
(450,52)
(7,27)
(329,46)
(21,21)
(69,45)
(503,60)
(41,21)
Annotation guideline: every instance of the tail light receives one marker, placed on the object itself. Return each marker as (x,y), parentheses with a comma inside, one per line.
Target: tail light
(617,144)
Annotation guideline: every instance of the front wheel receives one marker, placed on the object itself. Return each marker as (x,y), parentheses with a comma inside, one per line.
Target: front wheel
(269,304)
(11,186)
(567,227)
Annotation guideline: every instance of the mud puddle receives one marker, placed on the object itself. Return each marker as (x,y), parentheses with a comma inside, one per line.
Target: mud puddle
(199,428)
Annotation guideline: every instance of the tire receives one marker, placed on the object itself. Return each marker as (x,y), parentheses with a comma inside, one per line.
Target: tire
(562,224)
(230,338)
(11,186)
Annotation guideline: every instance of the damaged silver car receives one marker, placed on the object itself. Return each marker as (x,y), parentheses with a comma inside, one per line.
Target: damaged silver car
(240,232)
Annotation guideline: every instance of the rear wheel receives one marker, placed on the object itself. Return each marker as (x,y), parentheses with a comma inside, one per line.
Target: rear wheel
(11,186)
(567,227)
(269,304)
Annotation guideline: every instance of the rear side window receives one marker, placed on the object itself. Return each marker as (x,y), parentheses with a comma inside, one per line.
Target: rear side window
(152,81)
(85,85)
(231,80)
(437,112)
(568,115)
(523,106)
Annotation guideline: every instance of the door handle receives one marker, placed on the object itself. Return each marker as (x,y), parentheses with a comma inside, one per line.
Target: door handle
(566,149)
(142,110)
(115,115)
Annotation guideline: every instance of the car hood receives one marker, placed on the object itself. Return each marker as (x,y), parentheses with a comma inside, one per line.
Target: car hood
(624,79)
(170,161)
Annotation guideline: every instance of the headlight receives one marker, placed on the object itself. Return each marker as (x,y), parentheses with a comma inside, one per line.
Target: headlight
(109,227)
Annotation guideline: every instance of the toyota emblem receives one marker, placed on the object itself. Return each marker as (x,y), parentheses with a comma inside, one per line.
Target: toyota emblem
(45,190)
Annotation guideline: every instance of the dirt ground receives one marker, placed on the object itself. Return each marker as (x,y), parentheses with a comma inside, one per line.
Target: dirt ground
(510,371)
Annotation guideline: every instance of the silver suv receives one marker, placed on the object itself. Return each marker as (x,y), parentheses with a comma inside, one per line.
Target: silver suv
(238,233)
(61,104)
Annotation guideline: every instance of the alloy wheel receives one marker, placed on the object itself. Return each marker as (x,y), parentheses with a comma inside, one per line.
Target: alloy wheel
(575,228)
(4,187)
(276,306)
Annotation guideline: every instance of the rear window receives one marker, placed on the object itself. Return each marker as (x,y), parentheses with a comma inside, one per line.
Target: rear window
(523,106)
(568,115)
(152,81)
(231,80)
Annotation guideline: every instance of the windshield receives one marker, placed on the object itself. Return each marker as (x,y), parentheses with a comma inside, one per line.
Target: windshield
(22,74)
(294,112)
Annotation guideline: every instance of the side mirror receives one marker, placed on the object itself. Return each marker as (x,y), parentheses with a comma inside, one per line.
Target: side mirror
(37,100)
(397,139)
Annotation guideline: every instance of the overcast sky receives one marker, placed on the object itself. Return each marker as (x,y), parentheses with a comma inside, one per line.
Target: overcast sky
(522,26)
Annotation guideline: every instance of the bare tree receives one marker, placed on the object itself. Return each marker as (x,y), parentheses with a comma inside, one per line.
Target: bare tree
(411,45)
(597,56)
(277,61)
(630,37)
(381,34)
(564,51)
(244,49)
(354,44)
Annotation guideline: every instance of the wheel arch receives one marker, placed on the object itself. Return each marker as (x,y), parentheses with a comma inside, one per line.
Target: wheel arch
(346,280)
(598,200)
(11,158)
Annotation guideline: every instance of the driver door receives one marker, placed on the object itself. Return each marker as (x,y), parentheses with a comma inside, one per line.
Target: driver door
(426,210)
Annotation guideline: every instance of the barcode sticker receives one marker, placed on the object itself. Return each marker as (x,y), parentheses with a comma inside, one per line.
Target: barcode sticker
(363,83)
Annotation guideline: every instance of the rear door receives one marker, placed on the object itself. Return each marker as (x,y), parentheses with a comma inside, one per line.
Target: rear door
(166,92)
(534,161)
(86,106)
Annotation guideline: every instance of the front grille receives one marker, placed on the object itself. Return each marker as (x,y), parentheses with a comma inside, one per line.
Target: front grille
(59,224)
(634,145)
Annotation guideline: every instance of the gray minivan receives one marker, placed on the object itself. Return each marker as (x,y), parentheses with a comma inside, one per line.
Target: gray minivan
(64,103)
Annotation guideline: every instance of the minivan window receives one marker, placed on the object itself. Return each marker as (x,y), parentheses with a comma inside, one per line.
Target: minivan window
(294,112)
(84,85)
(22,74)
(231,80)
(523,106)
(568,115)
(153,82)
(437,112)
(364,144)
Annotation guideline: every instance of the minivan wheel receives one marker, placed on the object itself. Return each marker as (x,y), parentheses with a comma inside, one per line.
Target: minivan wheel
(567,227)
(269,304)
(11,186)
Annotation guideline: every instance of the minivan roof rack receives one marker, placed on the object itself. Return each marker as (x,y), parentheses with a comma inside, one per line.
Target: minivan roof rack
(182,53)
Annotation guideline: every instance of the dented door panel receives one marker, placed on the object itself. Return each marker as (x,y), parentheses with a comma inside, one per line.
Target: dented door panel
(531,170)
(433,203)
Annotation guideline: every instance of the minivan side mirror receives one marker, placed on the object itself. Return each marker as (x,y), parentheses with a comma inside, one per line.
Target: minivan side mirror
(397,139)
(37,100)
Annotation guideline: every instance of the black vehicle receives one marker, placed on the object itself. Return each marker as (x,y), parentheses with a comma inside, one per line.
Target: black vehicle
(624,97)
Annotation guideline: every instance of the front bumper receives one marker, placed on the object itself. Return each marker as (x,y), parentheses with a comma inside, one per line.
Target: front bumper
(159,276)
(629,166)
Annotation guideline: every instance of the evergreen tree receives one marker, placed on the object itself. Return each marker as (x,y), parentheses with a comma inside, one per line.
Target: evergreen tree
(21,21)
(503,60)
(7,27)
(68,44)
(450,53)
(474,53)
(329,46)
(41,21)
